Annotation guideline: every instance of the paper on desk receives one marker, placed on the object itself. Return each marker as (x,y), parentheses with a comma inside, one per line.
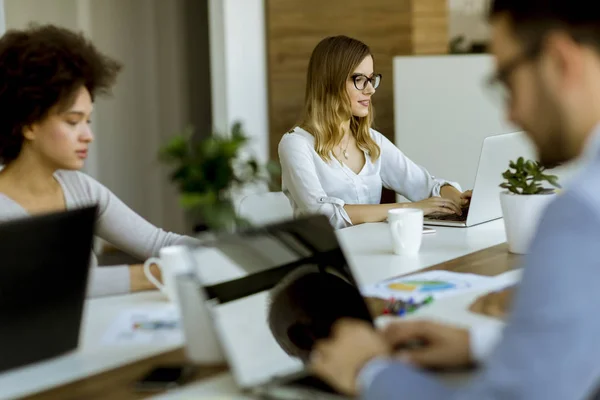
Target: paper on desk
(437,284)
(156,325)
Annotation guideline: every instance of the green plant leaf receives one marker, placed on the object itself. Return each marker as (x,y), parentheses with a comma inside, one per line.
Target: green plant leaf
(208,148)
(527,177)
(273,168)
(220,216)
(507,174)
(191,200)
(174,150)
(531,188)
(530,168)
(539,166)
(516,183)
(204,173)
(553,180)
(180,173)
(236,131)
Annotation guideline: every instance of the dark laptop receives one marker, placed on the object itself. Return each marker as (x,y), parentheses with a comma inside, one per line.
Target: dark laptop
(44,262)
(285,267)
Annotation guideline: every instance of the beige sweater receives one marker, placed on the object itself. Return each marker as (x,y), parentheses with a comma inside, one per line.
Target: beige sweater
(116,223)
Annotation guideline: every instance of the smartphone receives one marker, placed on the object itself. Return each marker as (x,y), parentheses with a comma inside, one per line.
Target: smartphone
(165,377)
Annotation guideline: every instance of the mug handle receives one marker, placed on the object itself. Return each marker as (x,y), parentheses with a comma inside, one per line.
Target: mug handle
(395,235)
(148,273)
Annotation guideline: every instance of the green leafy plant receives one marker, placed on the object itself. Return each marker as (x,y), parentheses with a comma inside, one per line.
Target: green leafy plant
(208,171)
(526,177)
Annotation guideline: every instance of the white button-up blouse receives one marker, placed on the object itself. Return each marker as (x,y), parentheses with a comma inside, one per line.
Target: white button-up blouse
(315,186)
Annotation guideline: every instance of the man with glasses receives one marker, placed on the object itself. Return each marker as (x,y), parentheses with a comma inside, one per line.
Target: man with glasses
(548,64)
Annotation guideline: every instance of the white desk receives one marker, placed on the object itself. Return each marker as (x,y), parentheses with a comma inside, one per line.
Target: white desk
(92,357)
(368,248)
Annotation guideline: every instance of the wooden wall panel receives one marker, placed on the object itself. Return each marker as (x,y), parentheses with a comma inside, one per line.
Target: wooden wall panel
(430,27)
(388,27)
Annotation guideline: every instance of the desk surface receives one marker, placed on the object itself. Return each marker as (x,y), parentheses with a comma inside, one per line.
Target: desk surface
(92,357)
(490,262)
(368,248)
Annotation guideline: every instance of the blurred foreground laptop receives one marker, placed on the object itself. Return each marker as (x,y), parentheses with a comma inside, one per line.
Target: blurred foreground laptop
(239,307)
(496,153)
(43,279)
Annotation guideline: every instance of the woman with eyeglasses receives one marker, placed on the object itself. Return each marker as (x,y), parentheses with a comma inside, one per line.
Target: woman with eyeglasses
(335,164)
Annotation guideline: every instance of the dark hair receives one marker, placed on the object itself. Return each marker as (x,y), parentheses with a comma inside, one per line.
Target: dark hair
(533,19)
(41,68)
(305,305)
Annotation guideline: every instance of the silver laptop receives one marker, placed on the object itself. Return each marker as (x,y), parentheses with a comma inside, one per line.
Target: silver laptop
(287,268)
(496,153)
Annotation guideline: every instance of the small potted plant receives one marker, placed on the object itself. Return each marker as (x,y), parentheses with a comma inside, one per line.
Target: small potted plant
(207,172)
(524,200)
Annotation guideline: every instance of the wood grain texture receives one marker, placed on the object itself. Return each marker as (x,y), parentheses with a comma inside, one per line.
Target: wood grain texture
(389,27)
(118,383)
(430,27)
(488,262)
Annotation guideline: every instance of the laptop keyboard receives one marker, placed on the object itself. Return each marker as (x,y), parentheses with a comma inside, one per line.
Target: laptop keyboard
(450,217)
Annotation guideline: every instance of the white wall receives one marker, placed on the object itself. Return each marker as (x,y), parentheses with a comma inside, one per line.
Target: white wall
(149,103)
(19,13)
(150,98)
(2,18)
(468,18)
(239,69)
(442,113)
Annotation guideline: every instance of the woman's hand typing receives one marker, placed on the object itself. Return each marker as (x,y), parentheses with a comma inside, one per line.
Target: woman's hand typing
(434,205)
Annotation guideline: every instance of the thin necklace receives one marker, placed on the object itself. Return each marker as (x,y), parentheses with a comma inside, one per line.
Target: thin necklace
(345,150)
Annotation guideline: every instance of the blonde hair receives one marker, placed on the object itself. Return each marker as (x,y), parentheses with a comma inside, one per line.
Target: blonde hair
(327,104)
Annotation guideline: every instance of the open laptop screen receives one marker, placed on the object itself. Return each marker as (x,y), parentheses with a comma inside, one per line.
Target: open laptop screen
(43,279)
(293,282)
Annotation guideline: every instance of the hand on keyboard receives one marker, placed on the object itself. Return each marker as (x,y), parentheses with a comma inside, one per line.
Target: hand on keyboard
(450,217)
(437,205)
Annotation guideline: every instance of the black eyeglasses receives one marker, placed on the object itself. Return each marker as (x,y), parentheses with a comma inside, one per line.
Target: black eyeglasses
(499,82)
(361,81)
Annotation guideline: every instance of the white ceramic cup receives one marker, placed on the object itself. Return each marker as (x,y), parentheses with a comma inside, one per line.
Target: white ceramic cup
(171,260)
(406,226)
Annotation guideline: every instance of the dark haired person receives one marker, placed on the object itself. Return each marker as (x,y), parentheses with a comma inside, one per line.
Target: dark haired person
(49,77)
(548,63)
(305,304)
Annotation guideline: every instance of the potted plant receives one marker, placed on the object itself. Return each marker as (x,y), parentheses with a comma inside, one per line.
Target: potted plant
(207,173)
(524,200)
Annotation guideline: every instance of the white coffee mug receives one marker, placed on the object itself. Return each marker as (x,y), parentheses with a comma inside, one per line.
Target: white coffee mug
(171,261)
(406,225)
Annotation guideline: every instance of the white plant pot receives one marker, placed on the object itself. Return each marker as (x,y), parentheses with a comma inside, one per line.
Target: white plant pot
(522,215)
